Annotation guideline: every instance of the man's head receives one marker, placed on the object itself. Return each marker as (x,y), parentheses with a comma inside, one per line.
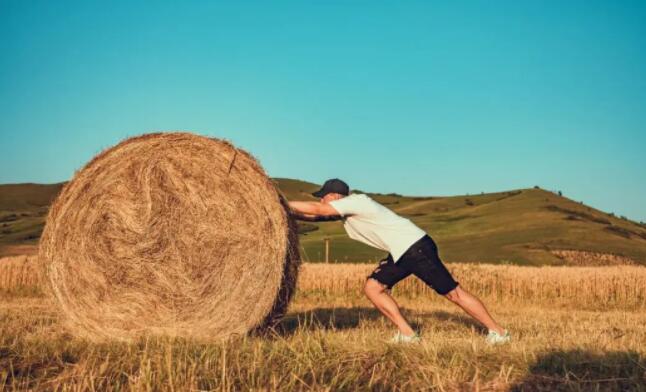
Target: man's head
(333,189)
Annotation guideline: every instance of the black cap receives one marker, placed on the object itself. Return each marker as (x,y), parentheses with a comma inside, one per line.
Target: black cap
(333,185)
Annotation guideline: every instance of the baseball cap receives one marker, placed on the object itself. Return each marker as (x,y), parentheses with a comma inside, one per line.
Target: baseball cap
(333,185)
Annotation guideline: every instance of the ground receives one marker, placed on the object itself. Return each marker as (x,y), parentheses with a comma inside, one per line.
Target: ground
(332,339)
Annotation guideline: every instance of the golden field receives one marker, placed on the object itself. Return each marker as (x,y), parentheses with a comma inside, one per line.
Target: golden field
(574,328)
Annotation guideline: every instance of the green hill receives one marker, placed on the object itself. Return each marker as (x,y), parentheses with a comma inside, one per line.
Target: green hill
(525,226)
(22,211)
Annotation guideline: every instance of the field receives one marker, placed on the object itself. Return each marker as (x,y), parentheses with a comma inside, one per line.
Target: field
(574,328)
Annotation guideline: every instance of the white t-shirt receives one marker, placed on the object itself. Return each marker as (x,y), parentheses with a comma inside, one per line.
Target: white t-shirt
(367,221)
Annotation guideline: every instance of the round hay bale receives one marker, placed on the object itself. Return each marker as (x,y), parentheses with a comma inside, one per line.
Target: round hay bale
(170,233)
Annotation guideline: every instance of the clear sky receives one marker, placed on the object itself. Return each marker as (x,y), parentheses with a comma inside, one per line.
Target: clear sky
(417,98)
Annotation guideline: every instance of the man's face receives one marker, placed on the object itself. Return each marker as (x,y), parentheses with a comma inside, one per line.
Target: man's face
(331,196)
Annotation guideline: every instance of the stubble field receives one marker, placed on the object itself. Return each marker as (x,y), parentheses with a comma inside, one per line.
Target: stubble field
(574,328)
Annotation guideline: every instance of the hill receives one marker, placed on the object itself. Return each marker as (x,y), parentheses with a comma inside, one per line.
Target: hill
(22,212)
(523,226)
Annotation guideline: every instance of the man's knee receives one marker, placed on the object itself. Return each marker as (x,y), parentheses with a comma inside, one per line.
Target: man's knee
(454,295)
(373,287)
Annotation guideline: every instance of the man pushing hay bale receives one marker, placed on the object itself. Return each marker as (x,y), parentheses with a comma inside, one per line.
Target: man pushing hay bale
(170,233)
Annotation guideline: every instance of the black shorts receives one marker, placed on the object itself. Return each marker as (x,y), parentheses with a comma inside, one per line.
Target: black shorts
(421,260)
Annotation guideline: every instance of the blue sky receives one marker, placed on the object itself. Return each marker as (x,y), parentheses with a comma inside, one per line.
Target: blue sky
(418,98)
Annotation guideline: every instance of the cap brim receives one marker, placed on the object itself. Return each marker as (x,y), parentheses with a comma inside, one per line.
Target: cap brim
(318,193)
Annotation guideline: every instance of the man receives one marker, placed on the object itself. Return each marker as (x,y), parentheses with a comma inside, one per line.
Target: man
(410,251)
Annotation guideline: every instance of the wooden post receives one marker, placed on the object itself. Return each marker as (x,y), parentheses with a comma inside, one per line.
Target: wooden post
(327,249)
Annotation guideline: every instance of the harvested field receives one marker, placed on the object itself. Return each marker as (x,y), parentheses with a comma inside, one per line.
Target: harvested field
(585,287)
(332,339)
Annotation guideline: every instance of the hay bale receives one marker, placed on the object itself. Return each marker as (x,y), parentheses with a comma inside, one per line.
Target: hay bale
(170,233)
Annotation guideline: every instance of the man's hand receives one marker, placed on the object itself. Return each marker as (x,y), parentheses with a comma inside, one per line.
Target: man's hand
(312,208)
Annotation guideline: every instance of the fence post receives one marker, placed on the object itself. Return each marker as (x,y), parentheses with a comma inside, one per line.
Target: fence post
(327,249)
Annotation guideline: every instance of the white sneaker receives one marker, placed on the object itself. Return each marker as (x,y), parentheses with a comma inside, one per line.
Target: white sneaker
(401,338)
(495,338)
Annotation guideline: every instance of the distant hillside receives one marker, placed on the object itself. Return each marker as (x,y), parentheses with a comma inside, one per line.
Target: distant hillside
(16,197)
(22,211)
(524,226)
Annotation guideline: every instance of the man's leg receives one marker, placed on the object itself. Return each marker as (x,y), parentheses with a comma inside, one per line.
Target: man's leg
(377,294)
(474,307)
(426,264)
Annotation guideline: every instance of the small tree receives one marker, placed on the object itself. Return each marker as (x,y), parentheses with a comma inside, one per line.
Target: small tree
(560,193)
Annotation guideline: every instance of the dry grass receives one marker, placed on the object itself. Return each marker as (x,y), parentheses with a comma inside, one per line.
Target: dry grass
(621,287)
(169,233)
(589,287)
(20,274)
(332,339)
(582,258)
(18,250)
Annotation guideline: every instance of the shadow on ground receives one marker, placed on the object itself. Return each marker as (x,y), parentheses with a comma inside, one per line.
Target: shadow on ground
(326,318)
(464,319)
(580,370)
(574,370)
(349,318)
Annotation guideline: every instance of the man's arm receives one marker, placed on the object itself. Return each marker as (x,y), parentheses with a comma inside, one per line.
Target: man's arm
(305,217)
(312,208)
(315,218)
